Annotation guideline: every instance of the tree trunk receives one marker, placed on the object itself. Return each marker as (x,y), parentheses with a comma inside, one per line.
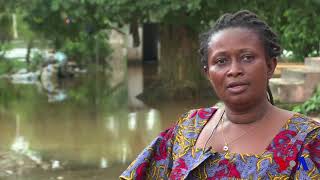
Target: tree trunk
(180,65)
(180,71)
(29,47)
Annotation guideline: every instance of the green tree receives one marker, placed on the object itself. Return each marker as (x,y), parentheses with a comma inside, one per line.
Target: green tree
(297,23)
(180,23)
(77,27)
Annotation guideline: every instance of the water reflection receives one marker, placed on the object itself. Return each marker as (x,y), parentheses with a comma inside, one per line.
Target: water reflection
(96,131)
(132,121)
(135,86)
(21,145)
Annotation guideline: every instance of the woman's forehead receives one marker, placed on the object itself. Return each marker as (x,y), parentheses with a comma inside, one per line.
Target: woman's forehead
(234,37)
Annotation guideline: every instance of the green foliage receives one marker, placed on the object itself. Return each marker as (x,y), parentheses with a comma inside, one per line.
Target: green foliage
(87,48)
(75,27)
(75,49)
(301,33)
(60,19)
(36,61)
(10,66)
(66,21)
(5,27)
(296,22)
(311,105)
(4,47)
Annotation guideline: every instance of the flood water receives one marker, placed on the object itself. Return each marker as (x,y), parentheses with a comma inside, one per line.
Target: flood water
(85,129)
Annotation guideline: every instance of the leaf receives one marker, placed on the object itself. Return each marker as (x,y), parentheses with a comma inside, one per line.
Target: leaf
(55,5)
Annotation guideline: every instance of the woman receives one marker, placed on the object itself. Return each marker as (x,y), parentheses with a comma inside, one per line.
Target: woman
(248,138)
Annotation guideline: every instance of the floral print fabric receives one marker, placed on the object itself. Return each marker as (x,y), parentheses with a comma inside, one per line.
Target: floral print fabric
(294,153)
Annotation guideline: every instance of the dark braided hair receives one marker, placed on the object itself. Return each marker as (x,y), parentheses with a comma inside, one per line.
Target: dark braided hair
(244,19)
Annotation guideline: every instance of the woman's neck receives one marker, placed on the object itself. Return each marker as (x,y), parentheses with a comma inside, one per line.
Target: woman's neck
(250,115)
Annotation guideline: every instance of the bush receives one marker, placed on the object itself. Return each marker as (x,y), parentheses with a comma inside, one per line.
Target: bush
(36,60)
(4,47)
(88,48)
(6,33)
(312,105)
(11,66)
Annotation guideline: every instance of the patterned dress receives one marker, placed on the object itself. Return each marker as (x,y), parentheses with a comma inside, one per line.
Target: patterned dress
(294,153)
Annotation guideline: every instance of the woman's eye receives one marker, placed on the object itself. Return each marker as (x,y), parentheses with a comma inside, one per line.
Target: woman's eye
(247,58)
(221,61)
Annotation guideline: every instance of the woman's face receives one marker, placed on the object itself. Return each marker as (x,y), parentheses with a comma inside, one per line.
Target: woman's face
(237,66)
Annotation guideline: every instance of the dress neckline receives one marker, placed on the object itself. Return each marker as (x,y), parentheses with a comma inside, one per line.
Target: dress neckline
(233,154)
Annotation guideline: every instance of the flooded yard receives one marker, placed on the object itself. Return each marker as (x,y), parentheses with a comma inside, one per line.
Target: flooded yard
(93,133)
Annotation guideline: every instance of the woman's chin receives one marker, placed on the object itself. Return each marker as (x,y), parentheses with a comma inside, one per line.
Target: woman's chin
(240,100)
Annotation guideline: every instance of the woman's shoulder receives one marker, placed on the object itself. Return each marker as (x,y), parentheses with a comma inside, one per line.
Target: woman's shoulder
(314,123)
(309,156)
(199,114)
(314,126)
(305,127)
(305,122)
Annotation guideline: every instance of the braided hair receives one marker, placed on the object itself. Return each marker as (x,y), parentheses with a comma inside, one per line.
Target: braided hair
(245,19)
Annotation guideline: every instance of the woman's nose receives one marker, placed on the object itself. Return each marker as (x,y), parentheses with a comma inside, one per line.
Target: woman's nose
(235,69)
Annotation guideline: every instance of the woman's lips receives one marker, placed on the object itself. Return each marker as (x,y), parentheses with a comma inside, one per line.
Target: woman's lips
(237,87)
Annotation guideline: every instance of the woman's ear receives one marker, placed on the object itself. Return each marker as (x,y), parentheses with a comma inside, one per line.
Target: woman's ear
(272,64)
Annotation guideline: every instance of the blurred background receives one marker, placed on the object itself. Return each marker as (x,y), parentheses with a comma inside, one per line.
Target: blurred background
(85,85)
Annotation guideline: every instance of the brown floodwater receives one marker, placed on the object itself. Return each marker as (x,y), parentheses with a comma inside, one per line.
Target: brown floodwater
(84,128)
